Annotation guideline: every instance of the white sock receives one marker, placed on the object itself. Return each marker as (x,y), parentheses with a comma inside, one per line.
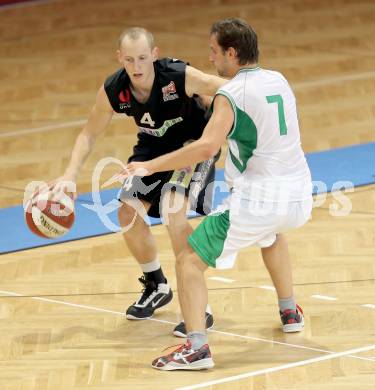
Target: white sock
(152,266)
(287,303)
(197,339)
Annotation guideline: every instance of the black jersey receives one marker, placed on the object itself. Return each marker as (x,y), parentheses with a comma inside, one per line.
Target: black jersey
(169,117)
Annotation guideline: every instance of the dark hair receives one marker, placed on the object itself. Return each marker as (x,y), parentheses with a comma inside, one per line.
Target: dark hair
(238,34)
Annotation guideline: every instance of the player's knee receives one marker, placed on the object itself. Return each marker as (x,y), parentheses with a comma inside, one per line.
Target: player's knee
(126,214)
(176,224)
(186,260)
(181,260)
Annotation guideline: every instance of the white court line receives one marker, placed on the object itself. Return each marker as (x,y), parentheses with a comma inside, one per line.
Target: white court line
(369,305)
(57,126)
(295,86)
(279,368)
(77,305)
(11,293)
(265,287)
(332,80)
(324,297)
(220,279)
(282,343)
(43,128)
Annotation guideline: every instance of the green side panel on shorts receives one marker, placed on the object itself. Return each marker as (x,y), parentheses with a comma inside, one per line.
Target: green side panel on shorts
(244,133)
(208,238)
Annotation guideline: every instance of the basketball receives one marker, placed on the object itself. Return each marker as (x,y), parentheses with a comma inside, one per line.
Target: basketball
(48,215)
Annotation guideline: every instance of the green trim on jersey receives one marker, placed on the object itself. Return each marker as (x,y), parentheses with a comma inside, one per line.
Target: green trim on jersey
(244,133)
(248,69)
(232,103)
(208,239)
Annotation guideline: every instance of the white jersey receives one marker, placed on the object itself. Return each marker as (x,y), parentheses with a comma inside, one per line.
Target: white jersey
(265,160)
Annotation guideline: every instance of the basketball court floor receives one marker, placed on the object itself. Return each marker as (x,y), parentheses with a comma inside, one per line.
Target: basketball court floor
(62,306)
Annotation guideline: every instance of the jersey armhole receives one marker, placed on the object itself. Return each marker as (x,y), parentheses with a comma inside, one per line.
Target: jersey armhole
(184,80)
(109,91)
(232,104)
(178,67)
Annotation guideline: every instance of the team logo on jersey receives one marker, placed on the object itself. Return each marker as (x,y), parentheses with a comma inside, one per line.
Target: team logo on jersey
(161,130)
(169,92)
(124,98)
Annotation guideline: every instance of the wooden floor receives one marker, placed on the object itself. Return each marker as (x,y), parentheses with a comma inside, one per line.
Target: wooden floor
(61,307)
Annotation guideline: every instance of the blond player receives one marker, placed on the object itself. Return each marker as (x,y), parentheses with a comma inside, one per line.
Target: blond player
(162,97)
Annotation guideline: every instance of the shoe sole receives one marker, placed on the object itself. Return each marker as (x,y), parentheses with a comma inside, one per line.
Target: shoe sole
(130,317)
(293,328)
(183,335)
(161,304)
(179,334)
(203,364)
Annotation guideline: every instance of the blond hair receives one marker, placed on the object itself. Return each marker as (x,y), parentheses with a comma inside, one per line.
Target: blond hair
(134,33)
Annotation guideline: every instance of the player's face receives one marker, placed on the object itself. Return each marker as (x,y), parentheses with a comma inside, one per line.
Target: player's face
(137,57)
(219,59)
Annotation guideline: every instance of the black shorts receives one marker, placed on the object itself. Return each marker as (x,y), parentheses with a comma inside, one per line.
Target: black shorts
(194,182)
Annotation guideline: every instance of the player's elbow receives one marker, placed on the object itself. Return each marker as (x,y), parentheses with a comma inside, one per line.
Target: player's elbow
(209,150)
(88,137)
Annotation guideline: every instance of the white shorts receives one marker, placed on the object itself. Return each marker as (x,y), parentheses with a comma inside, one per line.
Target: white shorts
(240,223)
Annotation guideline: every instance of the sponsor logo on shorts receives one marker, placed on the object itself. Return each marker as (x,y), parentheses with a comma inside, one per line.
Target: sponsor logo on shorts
(200,177)
(169,92)
(182,177)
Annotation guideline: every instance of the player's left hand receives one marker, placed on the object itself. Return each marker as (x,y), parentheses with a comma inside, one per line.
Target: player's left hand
(138,168)
(135,168)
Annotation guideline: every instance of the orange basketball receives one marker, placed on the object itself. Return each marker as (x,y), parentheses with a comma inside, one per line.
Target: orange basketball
(48,215)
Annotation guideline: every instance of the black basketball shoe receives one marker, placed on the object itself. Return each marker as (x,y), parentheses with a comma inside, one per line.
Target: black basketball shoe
(180,329)
(153,297)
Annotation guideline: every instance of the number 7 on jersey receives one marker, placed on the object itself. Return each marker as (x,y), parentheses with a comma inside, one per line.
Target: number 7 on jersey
(280,108)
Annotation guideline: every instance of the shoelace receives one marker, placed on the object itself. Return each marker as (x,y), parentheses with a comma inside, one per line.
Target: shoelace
(290,316)
(297,311)
(148,288)
(180,347)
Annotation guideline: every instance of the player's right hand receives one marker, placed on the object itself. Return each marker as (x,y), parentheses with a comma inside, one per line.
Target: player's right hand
(64,183)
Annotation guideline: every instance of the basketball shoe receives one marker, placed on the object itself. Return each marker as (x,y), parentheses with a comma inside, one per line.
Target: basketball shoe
(292,320)
(153,297)
(185,358)
(180,329)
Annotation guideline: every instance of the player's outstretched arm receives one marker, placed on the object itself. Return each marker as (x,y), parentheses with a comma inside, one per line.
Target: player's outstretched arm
(200,83)
(213,137)
(97,122)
